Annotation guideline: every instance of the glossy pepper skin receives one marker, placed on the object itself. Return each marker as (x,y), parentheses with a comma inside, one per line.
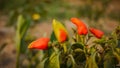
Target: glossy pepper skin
(41,43)
(81,27)
(60,31)
(96,32)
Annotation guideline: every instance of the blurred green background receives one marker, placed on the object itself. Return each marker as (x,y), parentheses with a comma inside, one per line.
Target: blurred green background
(102,14)
(63,9)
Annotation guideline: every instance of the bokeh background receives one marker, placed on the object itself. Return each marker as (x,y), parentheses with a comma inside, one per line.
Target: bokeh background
(102,14)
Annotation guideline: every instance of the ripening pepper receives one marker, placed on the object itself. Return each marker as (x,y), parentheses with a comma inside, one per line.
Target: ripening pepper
(60,31)
(41,43)
(81,27)
(96,32)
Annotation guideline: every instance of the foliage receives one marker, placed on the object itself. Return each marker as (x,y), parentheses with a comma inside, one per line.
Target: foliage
(22,27)
(76,52)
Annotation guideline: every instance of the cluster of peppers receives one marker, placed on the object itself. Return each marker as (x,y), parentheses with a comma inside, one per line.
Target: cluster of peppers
(62,34)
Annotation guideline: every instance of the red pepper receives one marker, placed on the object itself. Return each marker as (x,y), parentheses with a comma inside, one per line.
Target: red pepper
(82,30)
(63,36)
(81,27)
(60,31)
(41,43)
(96,32)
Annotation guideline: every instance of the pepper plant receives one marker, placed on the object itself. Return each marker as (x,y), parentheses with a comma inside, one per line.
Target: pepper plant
(88,47)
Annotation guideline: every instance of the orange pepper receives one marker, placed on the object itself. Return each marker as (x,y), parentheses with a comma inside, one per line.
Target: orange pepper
(41,43)
(96,32)
(81,27)
(82,30)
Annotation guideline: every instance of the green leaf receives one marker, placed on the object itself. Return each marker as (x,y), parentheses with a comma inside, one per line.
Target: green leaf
(91,61)
(118,43)
(73,61)
(109,60)
(79,56)
(52,37)
(53,61)
(117,54)
(77,45)
(22,26)
(42,63)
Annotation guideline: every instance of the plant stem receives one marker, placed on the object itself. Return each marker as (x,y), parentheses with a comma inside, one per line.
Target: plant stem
(73,61)
(17,60)
(64,47)
(77,37)
(18,54)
